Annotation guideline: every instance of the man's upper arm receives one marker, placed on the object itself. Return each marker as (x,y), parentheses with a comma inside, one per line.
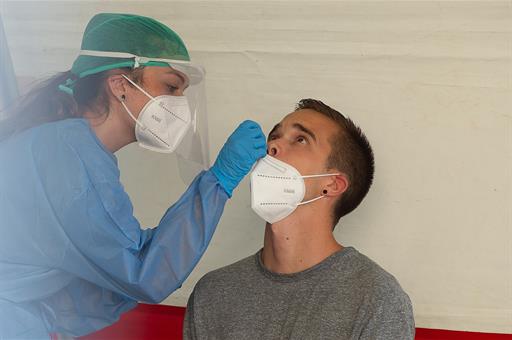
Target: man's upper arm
(390,319)
(188,322)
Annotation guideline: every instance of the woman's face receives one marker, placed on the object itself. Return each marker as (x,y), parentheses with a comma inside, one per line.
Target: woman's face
(156,81)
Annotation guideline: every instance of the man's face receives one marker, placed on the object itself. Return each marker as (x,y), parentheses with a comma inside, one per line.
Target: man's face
(301,139)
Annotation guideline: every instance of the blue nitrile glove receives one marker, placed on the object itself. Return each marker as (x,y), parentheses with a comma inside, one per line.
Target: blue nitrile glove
(243,148)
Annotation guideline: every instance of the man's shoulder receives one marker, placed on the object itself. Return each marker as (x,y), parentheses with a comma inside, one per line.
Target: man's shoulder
(370,278)
(230,275)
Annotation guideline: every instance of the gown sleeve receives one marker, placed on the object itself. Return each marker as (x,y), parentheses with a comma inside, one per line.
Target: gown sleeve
(108,248)
(84,232)
(74,257)
(118,264)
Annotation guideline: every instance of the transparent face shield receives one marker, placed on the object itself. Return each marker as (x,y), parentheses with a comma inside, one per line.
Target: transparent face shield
(193,151)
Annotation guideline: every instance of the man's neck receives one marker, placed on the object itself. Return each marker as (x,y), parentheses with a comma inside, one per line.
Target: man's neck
(298,242)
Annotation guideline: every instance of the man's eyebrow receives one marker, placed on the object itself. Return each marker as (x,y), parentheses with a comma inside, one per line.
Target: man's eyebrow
(274,129)
(305,130)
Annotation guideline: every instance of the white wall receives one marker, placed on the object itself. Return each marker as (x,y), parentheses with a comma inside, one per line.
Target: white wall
(429,82)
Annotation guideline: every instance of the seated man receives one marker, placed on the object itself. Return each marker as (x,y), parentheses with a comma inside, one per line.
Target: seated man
(303,284)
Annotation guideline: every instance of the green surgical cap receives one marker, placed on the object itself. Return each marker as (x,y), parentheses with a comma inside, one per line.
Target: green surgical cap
(127,33)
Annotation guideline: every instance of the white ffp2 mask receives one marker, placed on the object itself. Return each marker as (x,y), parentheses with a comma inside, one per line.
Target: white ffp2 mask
(162,122)
(277,189)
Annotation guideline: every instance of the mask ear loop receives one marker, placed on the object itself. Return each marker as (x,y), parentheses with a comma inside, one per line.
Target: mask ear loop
(323,175)
(138,87)
(312,200)
(319,197)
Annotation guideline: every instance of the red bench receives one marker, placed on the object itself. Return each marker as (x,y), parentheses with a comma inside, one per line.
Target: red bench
(165,322)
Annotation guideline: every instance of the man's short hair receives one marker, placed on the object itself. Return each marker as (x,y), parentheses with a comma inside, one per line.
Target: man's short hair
(351,154)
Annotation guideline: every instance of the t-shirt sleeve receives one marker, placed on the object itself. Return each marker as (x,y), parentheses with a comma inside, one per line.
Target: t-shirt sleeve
(189,332)
(390,317)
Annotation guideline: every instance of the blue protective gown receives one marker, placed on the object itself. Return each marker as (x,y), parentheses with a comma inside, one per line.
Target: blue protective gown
(72,255)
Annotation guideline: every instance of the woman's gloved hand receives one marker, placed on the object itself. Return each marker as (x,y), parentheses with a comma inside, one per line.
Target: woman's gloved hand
(243,148)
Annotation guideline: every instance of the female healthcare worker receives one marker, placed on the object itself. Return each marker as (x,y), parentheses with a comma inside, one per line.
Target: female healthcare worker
(72,255)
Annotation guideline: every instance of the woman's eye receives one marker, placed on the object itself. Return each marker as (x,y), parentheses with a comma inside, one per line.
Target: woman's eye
(272,137)
(172,88)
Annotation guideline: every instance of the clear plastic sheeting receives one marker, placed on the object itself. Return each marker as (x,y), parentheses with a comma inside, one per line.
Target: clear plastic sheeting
(8,83)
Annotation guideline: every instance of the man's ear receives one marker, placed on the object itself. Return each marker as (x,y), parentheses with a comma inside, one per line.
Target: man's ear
(337,185)
(117,86)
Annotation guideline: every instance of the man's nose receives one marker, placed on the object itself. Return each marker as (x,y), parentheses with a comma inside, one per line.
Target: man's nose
(273,148)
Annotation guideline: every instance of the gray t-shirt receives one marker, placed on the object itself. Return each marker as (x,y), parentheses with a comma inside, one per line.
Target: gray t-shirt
(346,296)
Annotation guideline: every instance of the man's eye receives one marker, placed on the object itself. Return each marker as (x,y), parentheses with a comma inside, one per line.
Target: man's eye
(302,139)
(272,137)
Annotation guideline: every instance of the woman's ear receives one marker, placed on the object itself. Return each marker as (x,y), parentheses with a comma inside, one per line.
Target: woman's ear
(336,186)
(117,86)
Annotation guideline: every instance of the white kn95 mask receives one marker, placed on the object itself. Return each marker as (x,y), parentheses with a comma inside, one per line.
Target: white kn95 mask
(277,189)
(162,122)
